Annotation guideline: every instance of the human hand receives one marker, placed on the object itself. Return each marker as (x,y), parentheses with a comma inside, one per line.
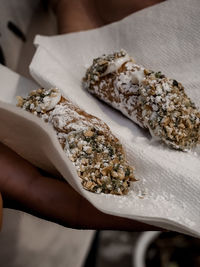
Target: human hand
(23,187)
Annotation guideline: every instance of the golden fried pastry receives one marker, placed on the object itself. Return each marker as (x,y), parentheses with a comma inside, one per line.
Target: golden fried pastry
(95,152)
(146,97)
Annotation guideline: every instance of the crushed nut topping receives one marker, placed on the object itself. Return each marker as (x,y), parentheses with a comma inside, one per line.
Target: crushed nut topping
(105,64)
(149,99)
(169,113)
(88,142)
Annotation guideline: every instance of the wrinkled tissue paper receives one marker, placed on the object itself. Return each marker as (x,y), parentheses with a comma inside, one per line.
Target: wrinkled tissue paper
(164,37)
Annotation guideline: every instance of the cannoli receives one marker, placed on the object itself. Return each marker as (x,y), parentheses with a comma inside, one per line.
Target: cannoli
(146,97)
(95,152)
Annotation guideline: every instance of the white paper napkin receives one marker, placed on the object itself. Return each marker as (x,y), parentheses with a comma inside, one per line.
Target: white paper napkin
(164,37)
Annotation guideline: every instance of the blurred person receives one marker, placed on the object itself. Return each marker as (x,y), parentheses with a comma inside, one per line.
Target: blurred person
(23,187)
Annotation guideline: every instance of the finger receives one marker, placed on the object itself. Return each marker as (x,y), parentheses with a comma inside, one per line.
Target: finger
(25,189)
(113,10)
(73,16)
(56,201)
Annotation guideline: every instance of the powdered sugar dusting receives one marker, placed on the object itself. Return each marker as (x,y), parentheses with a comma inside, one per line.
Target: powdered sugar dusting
(88,142)
(149,99)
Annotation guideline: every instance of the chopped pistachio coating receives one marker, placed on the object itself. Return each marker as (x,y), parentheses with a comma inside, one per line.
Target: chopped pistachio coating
(169,113)
(88,142)
(148,98)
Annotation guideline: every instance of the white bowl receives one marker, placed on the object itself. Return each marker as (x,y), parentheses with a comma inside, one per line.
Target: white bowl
(141,247)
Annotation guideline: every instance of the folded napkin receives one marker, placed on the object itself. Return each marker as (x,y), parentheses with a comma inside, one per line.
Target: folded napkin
(164,37)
